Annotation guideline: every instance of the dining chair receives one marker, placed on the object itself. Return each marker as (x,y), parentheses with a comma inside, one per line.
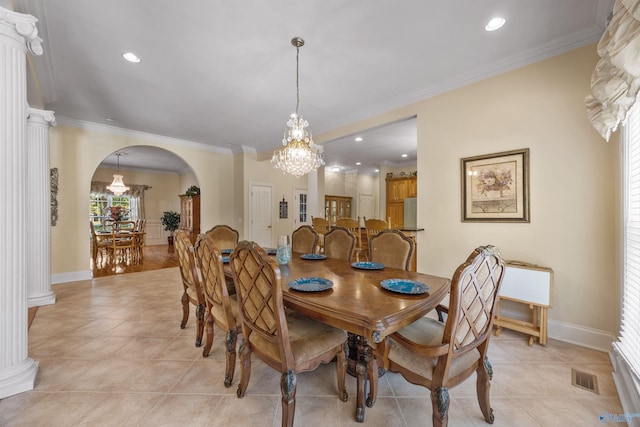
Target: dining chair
(285,340)
(107,225)
(221,309)
(224,236)
(339,243)
(353,225)
(374,226)
(392,248)
(139,237)
(123,246)
(439,355)
(322,227)
(190,282)
(304,240)
(99,245)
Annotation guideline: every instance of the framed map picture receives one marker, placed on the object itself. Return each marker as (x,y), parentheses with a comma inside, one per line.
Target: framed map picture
(495,187)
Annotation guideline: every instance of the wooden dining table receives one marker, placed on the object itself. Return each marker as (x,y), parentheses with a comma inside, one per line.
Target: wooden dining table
(358,304)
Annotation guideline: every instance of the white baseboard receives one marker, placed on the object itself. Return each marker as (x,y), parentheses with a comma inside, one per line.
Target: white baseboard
(571,333)
(628,386)
(73,276)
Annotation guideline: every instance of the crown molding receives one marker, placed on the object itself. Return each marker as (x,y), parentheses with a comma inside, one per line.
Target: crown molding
(97,127)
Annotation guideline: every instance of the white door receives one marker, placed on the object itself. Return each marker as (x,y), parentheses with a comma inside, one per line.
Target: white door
(366,206)
(260,214)
(300,208)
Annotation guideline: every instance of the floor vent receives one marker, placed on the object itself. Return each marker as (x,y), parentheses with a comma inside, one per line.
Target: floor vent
(584,380)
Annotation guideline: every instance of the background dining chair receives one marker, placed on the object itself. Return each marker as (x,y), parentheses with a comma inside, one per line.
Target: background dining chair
(374,226)
(304,240)
(288,343)
(221,310)
(353,225)
(440,355)
(392,248)
(123,244)
(224,236)
(322,227)
(99,245)
(139,237)
(191,283)
(339,243)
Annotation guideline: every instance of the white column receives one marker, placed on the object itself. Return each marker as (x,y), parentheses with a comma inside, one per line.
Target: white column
(39,208)
(18,34)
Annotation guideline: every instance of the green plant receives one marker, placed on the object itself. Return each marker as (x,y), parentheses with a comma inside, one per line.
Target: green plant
(170,220)
(194,190)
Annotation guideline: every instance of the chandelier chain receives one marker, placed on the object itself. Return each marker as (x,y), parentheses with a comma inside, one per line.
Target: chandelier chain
(297,78)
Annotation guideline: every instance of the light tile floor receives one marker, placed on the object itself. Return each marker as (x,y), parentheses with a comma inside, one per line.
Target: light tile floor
(111,353)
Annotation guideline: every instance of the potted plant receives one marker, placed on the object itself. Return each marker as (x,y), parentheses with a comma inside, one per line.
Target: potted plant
(171,222)
(194,190)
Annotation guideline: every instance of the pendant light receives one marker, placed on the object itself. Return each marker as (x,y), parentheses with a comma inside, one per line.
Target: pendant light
(117,187)
(299,156)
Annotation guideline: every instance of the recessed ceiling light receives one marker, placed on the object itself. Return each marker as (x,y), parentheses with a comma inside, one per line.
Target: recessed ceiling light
(131,57)
(109,119)
(358,163)
(358,138)
(377,170)
(405,155)
(495,23)
(335,169)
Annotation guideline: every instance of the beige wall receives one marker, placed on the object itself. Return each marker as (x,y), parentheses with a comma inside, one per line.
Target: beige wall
(78,152)
(574,195)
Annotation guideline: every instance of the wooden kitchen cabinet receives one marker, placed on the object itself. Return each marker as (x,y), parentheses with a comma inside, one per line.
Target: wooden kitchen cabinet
(399,189)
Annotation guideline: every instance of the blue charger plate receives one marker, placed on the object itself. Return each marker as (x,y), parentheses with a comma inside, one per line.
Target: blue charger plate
(368,265)
(226,251)
(404,286)
(310,284)
(225,260)
(313,256)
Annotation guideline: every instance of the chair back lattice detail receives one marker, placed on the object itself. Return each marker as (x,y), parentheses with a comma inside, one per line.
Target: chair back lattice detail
(214,284)
(304,240)
(392,248)
(339,243)
(224,236)
(257,284)
(474,292)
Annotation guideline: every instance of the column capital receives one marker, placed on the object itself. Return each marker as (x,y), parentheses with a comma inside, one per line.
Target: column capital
(44,117)
(25,27)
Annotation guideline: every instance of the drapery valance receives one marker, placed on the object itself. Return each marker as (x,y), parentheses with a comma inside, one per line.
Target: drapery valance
(616,79)
(135,190)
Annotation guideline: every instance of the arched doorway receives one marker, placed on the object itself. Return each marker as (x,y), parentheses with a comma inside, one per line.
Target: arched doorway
(155,177)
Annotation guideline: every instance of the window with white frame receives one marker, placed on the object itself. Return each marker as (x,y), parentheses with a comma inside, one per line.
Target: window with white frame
(628,344)
(100,202)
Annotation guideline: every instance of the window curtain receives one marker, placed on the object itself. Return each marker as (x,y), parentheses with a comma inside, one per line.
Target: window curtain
(616,79)
(135,193)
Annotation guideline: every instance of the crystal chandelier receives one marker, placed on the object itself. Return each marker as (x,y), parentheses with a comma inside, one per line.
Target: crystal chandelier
(117,187)
(299,155)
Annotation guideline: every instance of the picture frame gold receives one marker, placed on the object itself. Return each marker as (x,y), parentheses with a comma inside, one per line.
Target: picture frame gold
(495,187)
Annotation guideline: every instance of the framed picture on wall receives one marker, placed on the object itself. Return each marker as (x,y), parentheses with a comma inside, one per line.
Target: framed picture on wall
(495,187)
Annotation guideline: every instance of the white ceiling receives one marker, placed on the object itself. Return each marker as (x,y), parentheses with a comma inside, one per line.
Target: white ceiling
(222,73)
